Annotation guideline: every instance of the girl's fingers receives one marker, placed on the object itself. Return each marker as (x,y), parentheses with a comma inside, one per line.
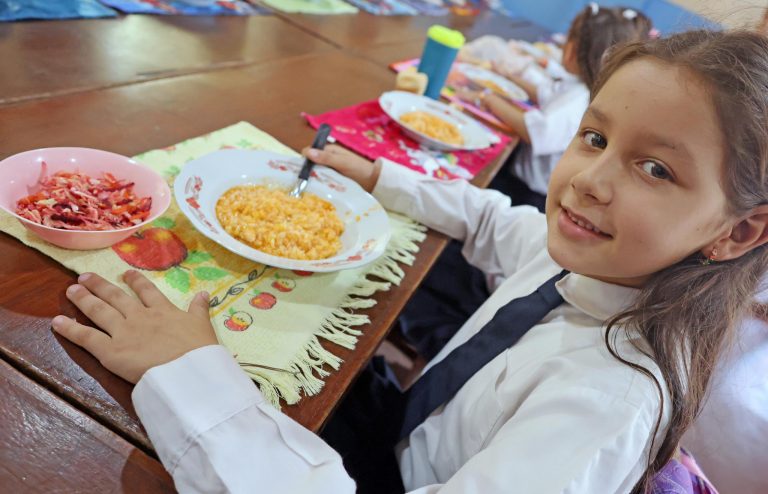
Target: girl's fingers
(104,315)
(325,157)
(339,150)
(199,305)
(109,293)
(345,162)
(329,149)
(332,156)
(145,289)
(93,340)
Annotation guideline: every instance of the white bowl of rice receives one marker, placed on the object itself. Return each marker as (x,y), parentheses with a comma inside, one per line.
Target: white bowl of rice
(238,198)
(435,124)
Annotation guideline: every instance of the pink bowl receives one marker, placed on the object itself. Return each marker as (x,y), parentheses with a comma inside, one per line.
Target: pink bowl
(19,176)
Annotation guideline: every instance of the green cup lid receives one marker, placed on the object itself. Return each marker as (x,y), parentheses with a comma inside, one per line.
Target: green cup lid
(448,37)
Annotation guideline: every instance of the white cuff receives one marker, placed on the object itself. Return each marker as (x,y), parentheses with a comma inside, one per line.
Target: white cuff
(398,186)
(180,400)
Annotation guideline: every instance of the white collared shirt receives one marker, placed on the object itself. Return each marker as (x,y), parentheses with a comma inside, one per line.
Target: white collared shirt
(555,413)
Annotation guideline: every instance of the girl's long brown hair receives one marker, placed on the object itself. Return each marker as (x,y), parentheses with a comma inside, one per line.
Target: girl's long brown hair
(687,313)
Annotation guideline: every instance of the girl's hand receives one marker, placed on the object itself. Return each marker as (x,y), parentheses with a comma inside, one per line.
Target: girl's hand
(138,333)
(505,111)
(362,171)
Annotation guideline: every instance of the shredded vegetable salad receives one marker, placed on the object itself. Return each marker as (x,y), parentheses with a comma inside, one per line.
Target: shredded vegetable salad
(75,201)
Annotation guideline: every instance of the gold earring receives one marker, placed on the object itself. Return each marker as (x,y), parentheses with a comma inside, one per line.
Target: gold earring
(709,260)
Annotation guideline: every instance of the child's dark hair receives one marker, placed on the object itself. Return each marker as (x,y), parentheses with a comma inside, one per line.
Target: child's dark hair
(688,312)
(595,30)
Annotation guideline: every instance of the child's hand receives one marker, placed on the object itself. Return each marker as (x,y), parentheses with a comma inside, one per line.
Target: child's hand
(138,334)
(477,98)
(362,171)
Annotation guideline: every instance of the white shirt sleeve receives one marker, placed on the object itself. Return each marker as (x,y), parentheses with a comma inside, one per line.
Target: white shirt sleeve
(483,219)
(552,127)
(214,432)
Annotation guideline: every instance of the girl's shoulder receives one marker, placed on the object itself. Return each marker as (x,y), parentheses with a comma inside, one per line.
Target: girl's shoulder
(645,385)
(577,353)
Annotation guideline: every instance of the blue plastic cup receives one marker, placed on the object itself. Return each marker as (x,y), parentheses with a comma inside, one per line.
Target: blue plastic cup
(440,51)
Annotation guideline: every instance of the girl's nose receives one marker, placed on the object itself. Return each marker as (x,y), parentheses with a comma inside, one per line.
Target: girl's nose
(596,182)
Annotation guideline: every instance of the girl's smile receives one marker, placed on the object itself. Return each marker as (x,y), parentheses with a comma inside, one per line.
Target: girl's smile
(578,227)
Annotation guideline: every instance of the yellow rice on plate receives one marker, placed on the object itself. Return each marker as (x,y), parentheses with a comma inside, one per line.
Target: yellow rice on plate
(269,220)
(433,126)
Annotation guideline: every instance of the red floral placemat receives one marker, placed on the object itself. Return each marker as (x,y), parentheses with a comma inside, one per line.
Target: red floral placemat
(367,130)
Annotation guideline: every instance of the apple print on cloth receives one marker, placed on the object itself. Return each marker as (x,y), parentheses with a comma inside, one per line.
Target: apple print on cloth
(238,321)
(154,249)
(263,315)
(284,284)
(262,300)
(159,249)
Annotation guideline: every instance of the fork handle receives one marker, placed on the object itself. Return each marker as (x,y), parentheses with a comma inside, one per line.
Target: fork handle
(319,143)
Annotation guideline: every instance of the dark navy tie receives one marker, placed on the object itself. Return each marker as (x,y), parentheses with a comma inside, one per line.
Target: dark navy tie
(441,382)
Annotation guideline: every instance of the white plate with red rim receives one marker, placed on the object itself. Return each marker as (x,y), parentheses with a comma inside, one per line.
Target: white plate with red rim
(476,136)
(478,75)
(202,181)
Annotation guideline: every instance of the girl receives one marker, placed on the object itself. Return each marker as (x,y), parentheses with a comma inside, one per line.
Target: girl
(454,290)
(546,131)
(659,211)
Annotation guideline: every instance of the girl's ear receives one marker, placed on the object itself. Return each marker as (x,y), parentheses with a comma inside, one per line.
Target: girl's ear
(747,234)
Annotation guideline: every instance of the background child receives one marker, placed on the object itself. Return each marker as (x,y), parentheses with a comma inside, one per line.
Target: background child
(659,210)
(546,131)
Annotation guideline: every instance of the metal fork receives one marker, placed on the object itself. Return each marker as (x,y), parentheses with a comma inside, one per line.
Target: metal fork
(319,143)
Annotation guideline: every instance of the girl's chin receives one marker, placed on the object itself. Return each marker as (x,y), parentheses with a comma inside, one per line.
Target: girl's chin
(564,256)
(569,260)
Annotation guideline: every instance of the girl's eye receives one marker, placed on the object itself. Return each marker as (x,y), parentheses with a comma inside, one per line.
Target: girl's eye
(655,170)
(593,139)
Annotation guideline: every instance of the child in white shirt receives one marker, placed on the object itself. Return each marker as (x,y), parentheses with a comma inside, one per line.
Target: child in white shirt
(659,210)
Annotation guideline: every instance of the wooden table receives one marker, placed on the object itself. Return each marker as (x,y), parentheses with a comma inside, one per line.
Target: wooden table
(116,111)
(45,59)
(391,39)
(46,445)
(362,31)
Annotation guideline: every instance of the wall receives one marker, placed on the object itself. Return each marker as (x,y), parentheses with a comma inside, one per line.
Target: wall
(731,13)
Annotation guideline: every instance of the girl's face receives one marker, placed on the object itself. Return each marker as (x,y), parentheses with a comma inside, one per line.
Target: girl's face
(640,186)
